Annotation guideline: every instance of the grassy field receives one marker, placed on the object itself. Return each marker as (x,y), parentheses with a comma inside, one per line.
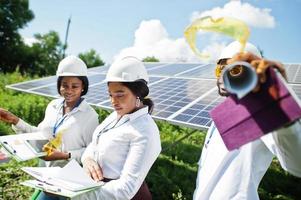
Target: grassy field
(173,174)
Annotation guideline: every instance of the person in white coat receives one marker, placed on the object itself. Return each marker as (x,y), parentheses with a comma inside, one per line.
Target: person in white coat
(70,114)
(236,174)
(127,143)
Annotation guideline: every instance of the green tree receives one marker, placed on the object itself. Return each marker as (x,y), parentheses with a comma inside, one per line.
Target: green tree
(44,55)
(91,58)
(14,14)
(150,59)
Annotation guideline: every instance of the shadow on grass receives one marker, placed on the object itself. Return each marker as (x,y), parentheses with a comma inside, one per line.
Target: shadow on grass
(185,152)
(168,177)
(280,185)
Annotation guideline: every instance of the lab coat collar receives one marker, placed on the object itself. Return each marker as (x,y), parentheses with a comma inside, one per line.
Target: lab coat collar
(83,106)
(138,113)
(134,115)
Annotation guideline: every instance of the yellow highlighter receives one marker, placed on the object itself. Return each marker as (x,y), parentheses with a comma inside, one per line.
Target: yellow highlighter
(54,143)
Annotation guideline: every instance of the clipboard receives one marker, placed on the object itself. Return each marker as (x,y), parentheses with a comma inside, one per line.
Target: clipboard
(20,146)
(54,189)
(69,181)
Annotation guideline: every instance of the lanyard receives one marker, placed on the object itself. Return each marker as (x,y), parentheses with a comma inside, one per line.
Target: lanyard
(60,121)
(209,138)
(105,129)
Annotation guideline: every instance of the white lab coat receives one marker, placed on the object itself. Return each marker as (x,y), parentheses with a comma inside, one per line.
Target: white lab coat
(224,175)
(125,151)
(78,128)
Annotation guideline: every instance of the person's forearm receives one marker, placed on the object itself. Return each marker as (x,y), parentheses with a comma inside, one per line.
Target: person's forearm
(23,127)
(57,155)
(15,120)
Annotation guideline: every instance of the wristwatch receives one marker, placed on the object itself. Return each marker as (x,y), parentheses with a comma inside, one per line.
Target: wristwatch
(69,155)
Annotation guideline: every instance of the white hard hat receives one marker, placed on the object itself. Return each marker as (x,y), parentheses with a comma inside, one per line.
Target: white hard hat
(235,47)
(72,66)
(128,69)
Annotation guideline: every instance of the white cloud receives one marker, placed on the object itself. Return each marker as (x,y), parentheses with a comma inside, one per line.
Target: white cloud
(251,15)
(150,32)
(30,41)
(152,39)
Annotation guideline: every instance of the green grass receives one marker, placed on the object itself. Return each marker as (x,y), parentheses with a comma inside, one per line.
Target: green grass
(11,176)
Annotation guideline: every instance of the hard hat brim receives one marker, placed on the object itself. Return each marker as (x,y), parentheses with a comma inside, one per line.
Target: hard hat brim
(70,74)
(118,79)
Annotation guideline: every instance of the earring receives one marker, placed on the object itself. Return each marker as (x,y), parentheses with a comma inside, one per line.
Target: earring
(137,102)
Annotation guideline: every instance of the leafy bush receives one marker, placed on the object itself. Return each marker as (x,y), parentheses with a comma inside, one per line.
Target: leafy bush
(11,176)
(30,108)
(150,59)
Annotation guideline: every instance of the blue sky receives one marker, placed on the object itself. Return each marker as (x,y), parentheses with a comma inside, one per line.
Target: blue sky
(155,28)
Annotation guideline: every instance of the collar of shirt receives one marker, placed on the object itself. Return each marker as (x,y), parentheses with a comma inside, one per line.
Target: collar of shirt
(111,121)
(83,106)
(129,117)
(132,116)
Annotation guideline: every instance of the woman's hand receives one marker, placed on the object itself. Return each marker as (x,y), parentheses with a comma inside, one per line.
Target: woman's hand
(56,155)
(260,65)
(93,169)
(8,117)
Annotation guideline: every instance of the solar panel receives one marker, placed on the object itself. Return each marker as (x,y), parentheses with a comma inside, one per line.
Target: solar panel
(96,78)
(50,90)
(171,69)
(97,94)
(183,93)
(35,83)
(297,89)
(293,72)
(202,71)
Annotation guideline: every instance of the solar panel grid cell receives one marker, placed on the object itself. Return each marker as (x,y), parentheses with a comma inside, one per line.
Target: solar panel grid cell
(97,93)
(49,90)
(96,78)
(293,72)
(36,83)
(297,90)
(171,69)
(198,113)
(203,71)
